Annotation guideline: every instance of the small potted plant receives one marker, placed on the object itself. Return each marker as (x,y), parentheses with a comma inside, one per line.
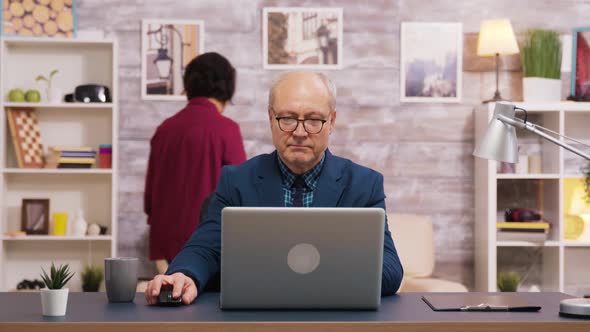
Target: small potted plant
(54,298)
(508,281)
(53,95)
(91,278)
(541,66)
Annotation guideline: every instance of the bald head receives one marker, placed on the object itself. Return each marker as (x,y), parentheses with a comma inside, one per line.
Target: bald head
(304,83)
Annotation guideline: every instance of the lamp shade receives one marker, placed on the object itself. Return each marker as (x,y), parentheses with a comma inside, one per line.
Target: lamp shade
(496,37)
(499,141)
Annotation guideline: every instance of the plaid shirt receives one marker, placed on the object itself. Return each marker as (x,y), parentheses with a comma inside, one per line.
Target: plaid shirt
(310,178)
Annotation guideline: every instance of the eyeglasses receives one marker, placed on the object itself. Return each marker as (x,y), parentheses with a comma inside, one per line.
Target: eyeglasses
(289,125)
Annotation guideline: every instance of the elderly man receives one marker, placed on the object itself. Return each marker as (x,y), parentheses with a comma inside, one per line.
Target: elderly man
(300,173)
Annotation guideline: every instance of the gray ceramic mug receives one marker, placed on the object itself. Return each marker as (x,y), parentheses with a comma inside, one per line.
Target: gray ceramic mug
(121,278)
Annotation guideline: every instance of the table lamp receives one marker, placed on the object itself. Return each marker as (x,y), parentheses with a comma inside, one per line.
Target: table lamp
(496,38)
(499,143)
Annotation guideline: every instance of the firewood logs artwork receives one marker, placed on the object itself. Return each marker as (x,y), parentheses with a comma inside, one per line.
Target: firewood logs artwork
(53,18)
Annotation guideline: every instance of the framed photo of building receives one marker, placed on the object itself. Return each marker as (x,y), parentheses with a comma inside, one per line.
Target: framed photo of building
(580,84)
(431,62)
(302,38)
(35,216)
(167,46)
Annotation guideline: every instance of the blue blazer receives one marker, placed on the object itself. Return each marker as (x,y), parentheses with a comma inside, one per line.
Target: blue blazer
(258,182)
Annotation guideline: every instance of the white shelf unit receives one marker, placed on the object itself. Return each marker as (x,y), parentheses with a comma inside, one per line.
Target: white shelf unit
(560,265)
(93,190)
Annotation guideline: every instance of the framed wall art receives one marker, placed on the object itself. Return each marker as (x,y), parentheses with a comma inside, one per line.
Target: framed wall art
(166,49)
(580,78)
(302,38)
(56,18)
(431,62)
(35,216)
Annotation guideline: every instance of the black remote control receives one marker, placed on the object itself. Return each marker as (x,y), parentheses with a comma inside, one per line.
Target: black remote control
(165,298)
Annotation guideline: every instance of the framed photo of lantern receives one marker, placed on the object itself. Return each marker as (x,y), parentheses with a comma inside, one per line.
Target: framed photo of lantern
(166,49)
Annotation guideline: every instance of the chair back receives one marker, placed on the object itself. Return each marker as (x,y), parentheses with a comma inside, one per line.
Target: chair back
(414,240)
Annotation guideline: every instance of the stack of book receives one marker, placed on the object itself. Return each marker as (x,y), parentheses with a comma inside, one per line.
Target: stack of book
(530,231)
(70,157)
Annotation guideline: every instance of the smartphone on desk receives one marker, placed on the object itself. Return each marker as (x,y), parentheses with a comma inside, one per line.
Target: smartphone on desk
(165,298)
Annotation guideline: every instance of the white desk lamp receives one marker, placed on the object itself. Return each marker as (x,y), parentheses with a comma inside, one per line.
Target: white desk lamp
(499,143)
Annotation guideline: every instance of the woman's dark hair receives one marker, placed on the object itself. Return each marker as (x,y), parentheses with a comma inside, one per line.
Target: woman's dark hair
(210,75)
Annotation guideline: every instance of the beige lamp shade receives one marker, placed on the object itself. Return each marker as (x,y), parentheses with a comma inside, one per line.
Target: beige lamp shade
(496,37)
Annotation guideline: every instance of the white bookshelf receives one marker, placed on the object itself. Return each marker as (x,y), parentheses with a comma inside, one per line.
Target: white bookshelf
(562,263)
(93,190)
(74,106)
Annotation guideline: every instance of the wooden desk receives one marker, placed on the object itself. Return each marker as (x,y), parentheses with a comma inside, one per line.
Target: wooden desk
(404,312)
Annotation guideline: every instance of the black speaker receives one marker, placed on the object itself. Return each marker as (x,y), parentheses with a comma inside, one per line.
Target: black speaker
(90,93)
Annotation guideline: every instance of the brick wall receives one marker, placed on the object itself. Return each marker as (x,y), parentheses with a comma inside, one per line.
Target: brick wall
(423,150)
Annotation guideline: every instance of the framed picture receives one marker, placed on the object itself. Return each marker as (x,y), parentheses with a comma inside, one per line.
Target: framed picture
(302,38)
(431,62)
(167,46)
(35,216)
(580,84)
(39,18)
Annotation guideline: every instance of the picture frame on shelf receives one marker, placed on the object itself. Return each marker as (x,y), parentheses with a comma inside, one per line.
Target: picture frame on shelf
(580,77)
(431,62)
(302,38)
(39,18)
(35,216)
(167,47)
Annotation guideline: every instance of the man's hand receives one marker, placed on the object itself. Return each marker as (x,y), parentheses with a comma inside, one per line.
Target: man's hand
(182,286)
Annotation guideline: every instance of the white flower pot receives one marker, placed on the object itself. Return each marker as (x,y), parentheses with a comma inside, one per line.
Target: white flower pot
(55,96)
(54,302)
(537,89)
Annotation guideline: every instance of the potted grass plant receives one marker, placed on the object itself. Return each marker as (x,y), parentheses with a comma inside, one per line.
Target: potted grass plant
(54,298)
(91,278)
(541,66)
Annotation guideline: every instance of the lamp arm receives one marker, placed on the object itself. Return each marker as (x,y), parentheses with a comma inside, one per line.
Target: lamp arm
(533,128)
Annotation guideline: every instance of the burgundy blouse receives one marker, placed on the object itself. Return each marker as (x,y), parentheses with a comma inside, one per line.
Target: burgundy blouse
(187,153)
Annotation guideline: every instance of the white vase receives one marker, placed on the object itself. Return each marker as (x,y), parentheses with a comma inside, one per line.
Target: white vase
(55,96)
(80,225)
(537,89)
(54,302)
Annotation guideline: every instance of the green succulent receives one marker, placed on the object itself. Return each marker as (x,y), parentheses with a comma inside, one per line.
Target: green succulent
(91,278)
(58,277)
(508,281)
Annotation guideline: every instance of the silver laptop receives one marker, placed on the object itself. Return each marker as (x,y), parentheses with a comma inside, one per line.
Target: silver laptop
(301,258)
